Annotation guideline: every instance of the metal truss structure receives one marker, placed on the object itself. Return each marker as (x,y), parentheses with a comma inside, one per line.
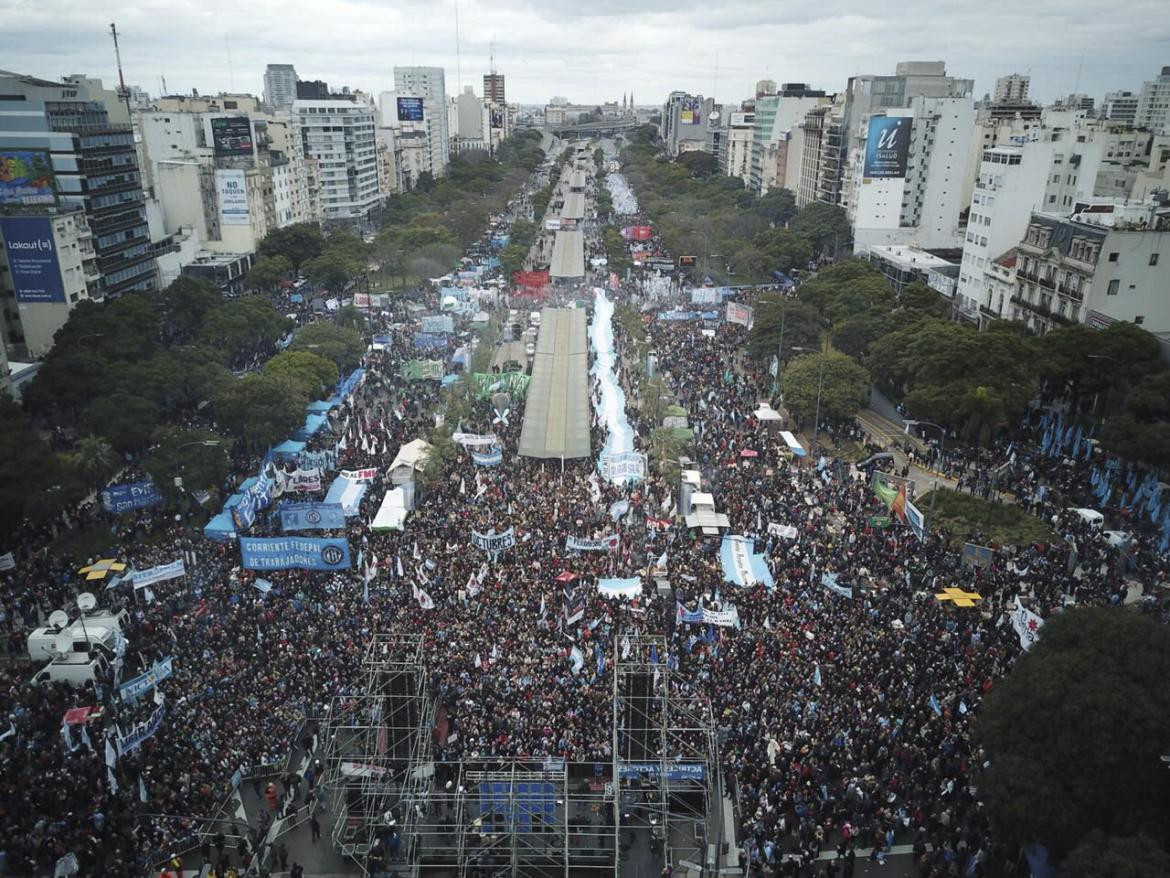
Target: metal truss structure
(653,800)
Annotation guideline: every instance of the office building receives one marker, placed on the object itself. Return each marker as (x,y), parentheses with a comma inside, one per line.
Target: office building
(1011,89)
(684,122)
(430,84)
(737,152)
(472,125)
(493,89)
(1153,107)
(776,138)
(1120,106)
(339,135)
(93,164)
(280,86)
(815,129)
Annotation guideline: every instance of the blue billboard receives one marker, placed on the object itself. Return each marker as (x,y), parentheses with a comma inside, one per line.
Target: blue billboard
(293,553)
(32,259)
(887,147)
(26,178)
(410,109)
(132,495)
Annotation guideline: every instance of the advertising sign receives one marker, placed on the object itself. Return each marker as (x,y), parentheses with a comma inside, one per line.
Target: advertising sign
(233,198)
(690,111)
(293,553)
(32,259)
(410,109)
(26,178)
(887,147)
(232,135)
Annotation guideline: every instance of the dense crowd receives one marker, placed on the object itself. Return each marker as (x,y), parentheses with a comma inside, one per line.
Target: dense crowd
(844,722)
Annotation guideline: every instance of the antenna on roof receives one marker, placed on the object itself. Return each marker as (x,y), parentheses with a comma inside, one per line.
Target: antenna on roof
(492,56)
(123,92)
(458,55)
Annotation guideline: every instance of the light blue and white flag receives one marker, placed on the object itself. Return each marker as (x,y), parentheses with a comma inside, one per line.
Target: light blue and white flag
(829,581)
(741,565)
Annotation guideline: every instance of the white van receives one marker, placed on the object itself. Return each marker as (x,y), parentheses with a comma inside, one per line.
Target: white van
(76,670)
(1091,517)
(95,629)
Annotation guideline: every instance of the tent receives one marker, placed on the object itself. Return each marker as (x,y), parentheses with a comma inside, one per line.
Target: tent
(765,414)
(313,423)
(288,448)
(221,528)
(411,458)
(349,494)
(392,513)
(319,407)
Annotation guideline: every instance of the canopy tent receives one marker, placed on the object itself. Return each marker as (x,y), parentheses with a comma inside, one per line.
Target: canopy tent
(319,407)
(313,423)
(288,448)
(411,457)
(766,414)
(349,494)
(221,529)
(392,513)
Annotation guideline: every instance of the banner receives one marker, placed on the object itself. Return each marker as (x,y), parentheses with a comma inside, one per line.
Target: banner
(254,498)
(605,544)
(421,370)
(829,581)
(299,481)
(494,543)
(311,516)
(1027,624)
(294,553)
(531,278)
(784,531)
(233,198)
(487,383)
(359,475)
(625,465)
(429,341)
(321,460)
(437,323)
(674,770)
(161,573)
(741,565)
(131,689)
(134,495)
(33,264)
(721,618)
(887,147)
(7,561)
(129,743)
(620,588)
(740,314)
(474,440)
(915,520)
(492,458)
(705,296)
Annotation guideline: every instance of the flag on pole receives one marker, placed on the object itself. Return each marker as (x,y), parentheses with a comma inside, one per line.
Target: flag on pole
(934,705)
(817,675)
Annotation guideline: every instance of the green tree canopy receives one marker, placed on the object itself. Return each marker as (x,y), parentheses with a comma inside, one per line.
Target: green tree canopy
(699,163)
(1075,733)
(843,390)
(189,455)
(783,249)
(268,271)
(261,409)
(312,374)
(801,326)
(244,327)
(184,306)
(512,258)
(125,419)
(34,482)
(1101,856)
(777,206)
(94,460)
(341,346)
(332,270)
(825,226)
(296,243)
(848,289)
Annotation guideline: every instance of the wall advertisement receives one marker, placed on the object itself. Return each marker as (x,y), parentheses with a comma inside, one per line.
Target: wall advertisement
(410,109)
(26,178)
(32,259)
(887,147)
(233,198)
(232,135)
(690,111)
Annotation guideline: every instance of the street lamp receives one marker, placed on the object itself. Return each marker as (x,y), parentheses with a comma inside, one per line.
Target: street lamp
(942,432)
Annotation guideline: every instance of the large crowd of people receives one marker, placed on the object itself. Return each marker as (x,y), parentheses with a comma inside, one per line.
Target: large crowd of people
(844,721)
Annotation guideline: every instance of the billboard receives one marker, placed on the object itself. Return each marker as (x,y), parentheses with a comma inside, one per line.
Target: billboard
(32,259)
(232,135)
(233,198)
(887,147)
(26,178)
(497,117)
(410,109)
(690,111)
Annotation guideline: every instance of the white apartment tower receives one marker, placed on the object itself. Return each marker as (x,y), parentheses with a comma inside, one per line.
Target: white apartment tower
(339,135)
(1012,89)
(430,84)
(1153,107)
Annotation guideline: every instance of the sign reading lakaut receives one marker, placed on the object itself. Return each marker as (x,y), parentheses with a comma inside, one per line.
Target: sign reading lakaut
(294,553)
(231,187)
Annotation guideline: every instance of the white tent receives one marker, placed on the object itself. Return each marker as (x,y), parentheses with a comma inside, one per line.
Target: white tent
(412,457)
(392,513)
(766,414)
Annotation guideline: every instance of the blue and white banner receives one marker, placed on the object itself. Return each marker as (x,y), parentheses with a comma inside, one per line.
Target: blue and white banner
(255,497)
(294,553)
(161,573)
(493,458)
(129,743)
(437,323)
(829,581)
(134,495)
(494,543)
(321,460)
(915,520)
(349,384)
(429,340)
(311,516)
(605,544)
(131,689)
(620,588)
(741,565)
(674,770)
(619,508)
(623,465)
(723,618)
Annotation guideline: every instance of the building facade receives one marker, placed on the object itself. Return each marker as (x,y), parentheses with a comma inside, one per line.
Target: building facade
(493,89)
(339,135)
(778,117)
(430,84)
(1120,106)
(737,150)
(1153,106)
(280,86)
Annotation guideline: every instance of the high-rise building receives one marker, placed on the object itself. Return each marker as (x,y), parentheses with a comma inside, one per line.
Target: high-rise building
(1012,89)
(94,166)
(1120,106)
(684,122)
(429,83)
(280,86)
(493,89)
(777,123)
(339,135)
(1153,108)
(737,152)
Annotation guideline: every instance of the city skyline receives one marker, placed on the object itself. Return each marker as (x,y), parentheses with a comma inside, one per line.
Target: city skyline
(216,48)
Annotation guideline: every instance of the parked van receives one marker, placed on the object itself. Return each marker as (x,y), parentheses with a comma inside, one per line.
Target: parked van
(76,669)
(96,629)
(1091,517)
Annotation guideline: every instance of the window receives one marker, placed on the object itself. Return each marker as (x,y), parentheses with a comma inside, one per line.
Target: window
(1113,256)
(1112,290)
(1139,320)
(1153,259)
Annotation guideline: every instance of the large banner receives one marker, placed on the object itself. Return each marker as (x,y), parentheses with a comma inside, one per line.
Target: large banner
(531,278)
(741,314)
(1026,623)
(368,474)
(161,573)
(294,553)
(439,323)
(311,516)
(254,498)
(420,370)
(605,544)
(474,440)
(494,543)
(233,198)
(32,258)
(741,565)
(299,481)
(410,109)
(915,520)
(887,147)
(429,340)
(487,383)
(690,111)
(625,465)
(26,178)
(829,581)
(321,460)
(675,771)
(720,618)
(131,689)
(133,495)
(129,743)
(492,458)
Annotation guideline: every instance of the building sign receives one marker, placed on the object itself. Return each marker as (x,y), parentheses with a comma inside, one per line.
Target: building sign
(410,109)
(690,111)
(887,147)
(26,178)
(32,259)
(233,198)
(232,135)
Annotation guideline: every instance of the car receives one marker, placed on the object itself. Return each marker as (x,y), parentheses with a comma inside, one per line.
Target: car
(1119,539)
(534,318)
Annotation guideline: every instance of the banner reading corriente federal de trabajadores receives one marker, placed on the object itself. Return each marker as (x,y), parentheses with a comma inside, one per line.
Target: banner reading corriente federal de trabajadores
(294,553)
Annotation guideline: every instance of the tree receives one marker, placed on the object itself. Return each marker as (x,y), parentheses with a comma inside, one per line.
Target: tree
(297,243)
(94,461)
(699,163)
(1098,855)
(777,206)
(854,335)
(825,226)
(189,455)
(1088,362)
(1075,733)
(344,347)
(28,470)
(268,271)
(312,374)
(125,419)
(350,317)
(261,409)
(332,270)
(843,390)
(185,304)
(243,328)
(784,249)
(512,258)
(176,379)
(848,289)
(522,233)
(919,297)
(801,326)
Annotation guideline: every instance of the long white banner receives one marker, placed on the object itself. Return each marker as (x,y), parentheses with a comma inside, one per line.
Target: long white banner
(143,578)
(474,440)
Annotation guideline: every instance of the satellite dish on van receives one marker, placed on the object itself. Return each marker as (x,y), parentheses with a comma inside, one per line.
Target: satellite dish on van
(86,601)
(58,619)
(63,643)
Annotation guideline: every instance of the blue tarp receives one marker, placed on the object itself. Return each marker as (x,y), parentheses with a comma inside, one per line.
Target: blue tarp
(313,423)
(288,448)
(319,407)
(448,380)
(348,494)
(220,528)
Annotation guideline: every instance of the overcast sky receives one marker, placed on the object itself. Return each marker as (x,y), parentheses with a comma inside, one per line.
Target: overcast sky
(592,50)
